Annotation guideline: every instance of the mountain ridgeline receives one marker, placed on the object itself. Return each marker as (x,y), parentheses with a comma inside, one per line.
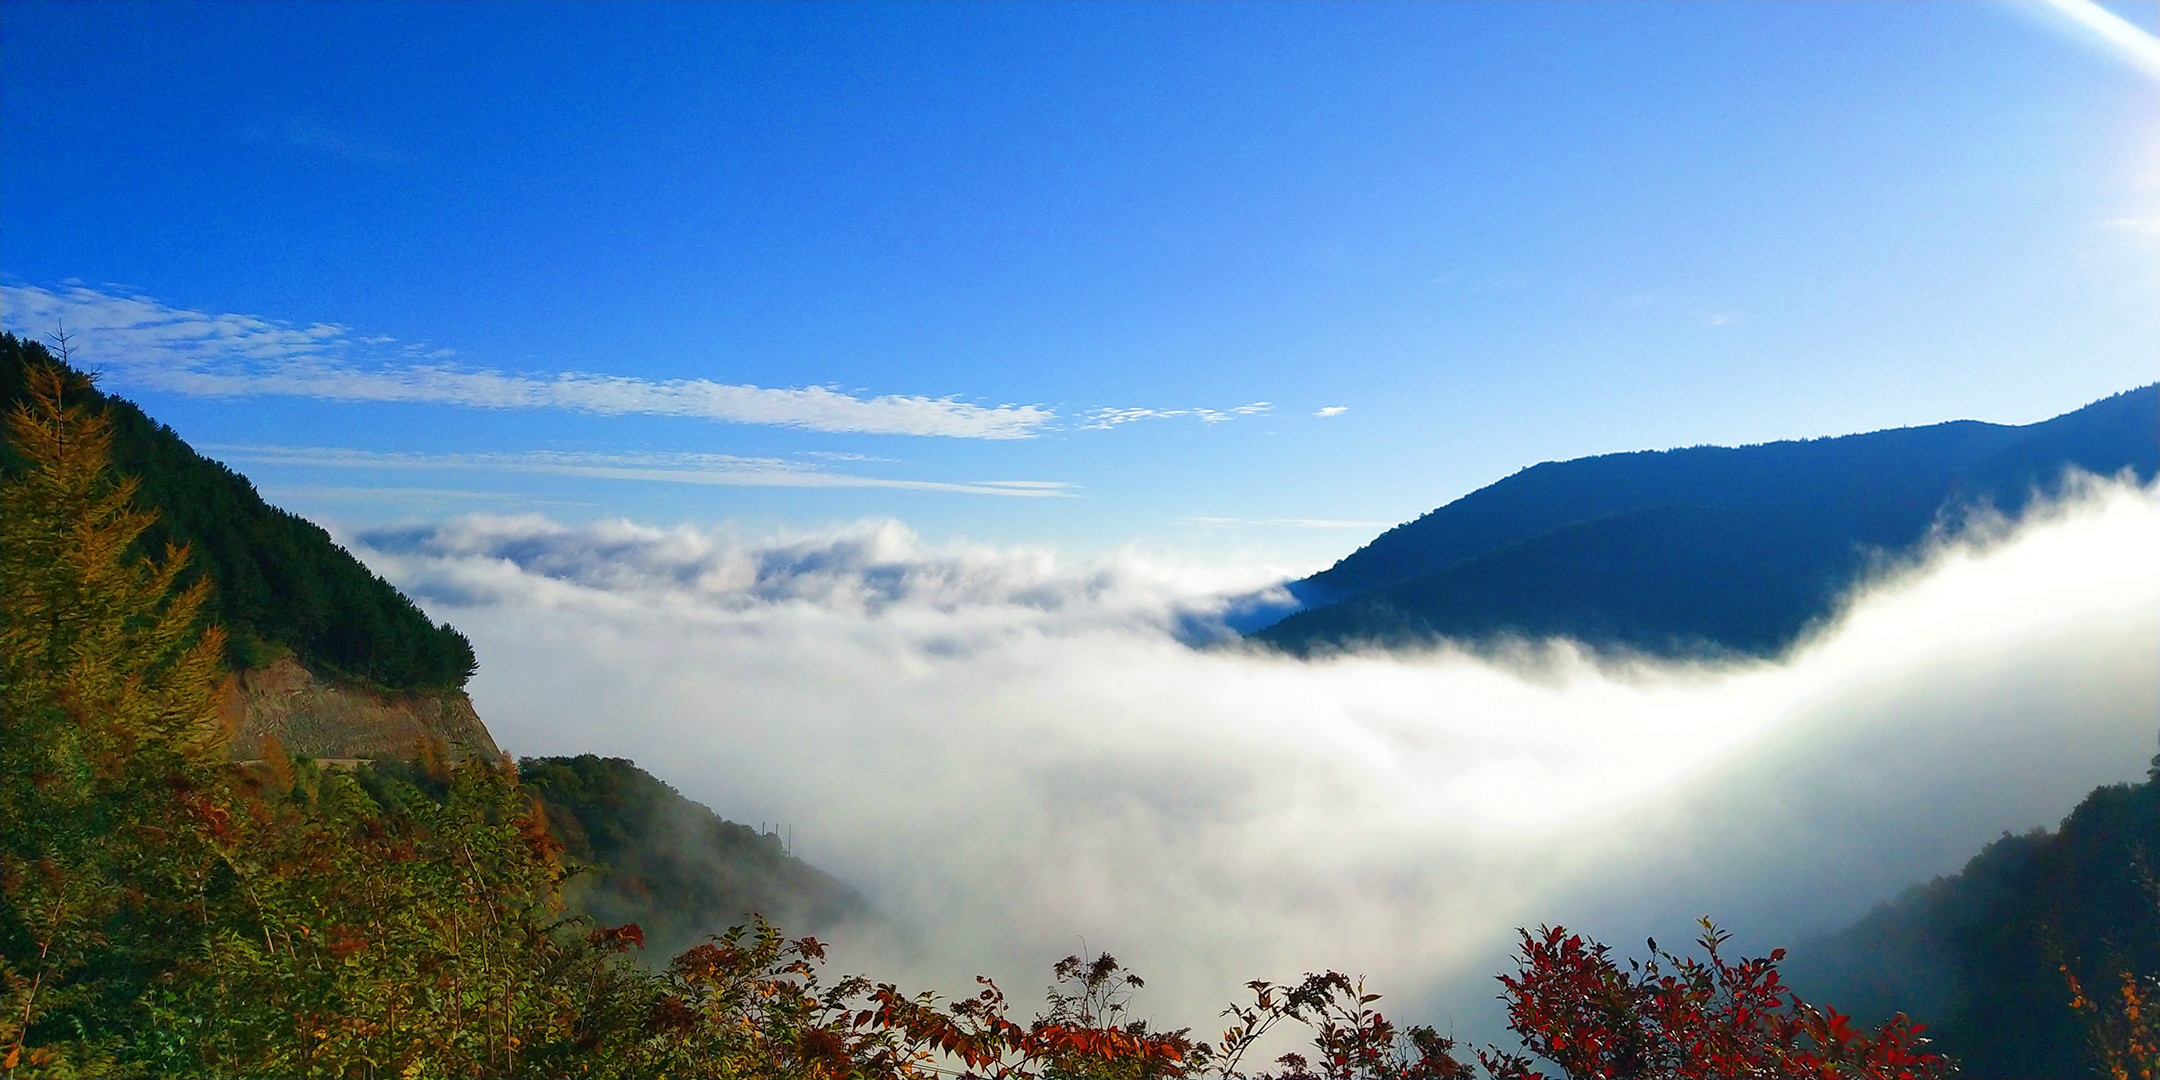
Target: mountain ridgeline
(1701,551)
(671,865)
(1980,955)
(281,583)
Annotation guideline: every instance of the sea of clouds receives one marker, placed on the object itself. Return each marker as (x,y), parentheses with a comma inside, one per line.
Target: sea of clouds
(1017,756)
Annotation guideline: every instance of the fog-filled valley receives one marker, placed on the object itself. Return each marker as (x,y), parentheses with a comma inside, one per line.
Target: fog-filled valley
(1043,541)
(996,755)
(1017,757)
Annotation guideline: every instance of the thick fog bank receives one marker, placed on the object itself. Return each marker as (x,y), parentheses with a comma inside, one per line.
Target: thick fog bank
(1013,757)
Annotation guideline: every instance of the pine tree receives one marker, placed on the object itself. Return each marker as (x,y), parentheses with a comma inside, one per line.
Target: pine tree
(110,688)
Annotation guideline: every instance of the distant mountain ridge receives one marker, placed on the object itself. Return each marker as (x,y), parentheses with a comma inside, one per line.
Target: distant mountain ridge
(1698,550)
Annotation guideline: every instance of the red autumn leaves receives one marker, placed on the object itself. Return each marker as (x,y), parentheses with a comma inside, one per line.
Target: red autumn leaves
(1686,1018)
(1573,1006)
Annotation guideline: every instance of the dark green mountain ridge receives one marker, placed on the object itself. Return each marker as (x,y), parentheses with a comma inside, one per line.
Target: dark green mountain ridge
(282,584)
(671,865)
(1976,955)
(1704,549)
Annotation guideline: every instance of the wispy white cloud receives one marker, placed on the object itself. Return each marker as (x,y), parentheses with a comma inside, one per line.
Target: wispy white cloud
(2123,38)
(837,455)
(146,343)
(1106,418)
(1026,485)
(449,496)
(725,470)
(1332,410)
(1210,416)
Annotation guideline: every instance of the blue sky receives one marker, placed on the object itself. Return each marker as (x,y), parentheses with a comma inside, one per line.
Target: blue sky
(1249,281)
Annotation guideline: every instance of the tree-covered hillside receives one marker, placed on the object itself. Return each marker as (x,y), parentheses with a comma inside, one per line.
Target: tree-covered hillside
(1979,955)
(1702,549)
(280,582)
(671,865)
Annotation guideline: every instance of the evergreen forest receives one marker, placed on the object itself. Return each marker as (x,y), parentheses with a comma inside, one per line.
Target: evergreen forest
(1983,953)
(280,583)
(671,865)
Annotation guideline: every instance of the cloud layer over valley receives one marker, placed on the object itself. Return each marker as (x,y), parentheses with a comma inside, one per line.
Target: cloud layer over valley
(1013,756)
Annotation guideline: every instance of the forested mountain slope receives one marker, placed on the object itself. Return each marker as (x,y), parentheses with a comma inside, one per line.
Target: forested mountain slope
(369,676)
(1977,955)
(281,582)
(1704,549)
(671,865)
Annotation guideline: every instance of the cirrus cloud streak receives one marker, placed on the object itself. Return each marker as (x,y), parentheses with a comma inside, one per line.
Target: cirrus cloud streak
(149,344)
(726,470)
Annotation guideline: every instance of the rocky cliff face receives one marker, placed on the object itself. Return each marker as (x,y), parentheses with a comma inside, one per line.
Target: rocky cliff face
(328,719)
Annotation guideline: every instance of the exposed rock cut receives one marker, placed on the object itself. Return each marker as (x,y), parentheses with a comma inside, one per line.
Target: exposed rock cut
(330,719)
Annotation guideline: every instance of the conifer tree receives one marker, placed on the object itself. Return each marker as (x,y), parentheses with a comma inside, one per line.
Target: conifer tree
(109,696)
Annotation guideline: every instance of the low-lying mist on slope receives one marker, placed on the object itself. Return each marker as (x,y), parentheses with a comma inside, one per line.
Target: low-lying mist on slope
(1016,758)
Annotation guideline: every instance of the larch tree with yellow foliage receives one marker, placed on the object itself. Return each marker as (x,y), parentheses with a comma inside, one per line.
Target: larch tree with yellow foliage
(109,693)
